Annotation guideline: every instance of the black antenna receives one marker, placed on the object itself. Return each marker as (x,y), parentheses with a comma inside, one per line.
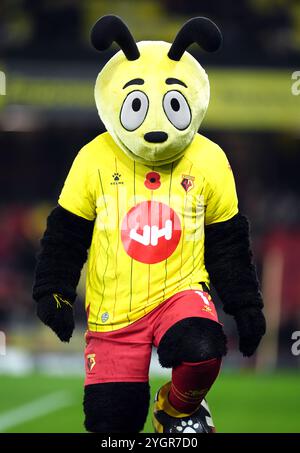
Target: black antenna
(108,29)
(200,30)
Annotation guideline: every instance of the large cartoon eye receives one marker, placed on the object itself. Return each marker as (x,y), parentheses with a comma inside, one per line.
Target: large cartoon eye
(134,110)
(177,109)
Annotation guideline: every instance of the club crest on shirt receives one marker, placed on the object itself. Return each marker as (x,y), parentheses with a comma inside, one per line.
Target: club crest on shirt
(91,361)
(187,182)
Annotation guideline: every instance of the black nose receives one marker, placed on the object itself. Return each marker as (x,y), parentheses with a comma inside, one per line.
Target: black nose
(156,137)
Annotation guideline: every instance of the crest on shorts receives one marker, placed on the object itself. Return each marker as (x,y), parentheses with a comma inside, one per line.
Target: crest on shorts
(91,361)
(187,182)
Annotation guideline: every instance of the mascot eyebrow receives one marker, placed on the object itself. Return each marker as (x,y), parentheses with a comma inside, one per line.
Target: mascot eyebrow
(198,30)
(134,82)
(169,81)
(172,80)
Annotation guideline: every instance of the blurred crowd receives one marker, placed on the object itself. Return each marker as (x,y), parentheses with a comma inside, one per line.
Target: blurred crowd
(256,31)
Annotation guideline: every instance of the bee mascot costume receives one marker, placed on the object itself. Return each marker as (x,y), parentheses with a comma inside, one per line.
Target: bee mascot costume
(155,203)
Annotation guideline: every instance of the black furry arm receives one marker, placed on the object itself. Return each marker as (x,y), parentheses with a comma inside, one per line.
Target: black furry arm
(64,251)
(229,262)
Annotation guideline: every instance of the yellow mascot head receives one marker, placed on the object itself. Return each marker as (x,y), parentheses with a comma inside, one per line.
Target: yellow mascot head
(152,96)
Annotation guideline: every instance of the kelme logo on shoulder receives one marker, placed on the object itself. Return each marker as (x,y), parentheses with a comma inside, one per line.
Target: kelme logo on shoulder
(117,179)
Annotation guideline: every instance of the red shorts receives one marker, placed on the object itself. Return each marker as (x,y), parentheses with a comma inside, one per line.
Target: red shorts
(124,355)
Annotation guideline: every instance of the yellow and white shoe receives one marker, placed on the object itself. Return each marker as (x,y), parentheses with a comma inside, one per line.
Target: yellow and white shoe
(166,419)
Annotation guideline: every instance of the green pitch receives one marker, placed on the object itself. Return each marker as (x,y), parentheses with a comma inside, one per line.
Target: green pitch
(239,403)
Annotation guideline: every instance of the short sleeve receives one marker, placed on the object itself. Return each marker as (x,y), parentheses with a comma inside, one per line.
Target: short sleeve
(77,195)
(221,200)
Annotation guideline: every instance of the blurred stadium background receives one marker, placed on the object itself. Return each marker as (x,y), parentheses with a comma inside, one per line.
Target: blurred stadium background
(48,113)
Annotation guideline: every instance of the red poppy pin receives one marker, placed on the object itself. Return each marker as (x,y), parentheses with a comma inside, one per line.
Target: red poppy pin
(152,180)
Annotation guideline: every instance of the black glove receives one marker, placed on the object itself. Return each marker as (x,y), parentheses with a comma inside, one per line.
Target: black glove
(57,313)
(251,325)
